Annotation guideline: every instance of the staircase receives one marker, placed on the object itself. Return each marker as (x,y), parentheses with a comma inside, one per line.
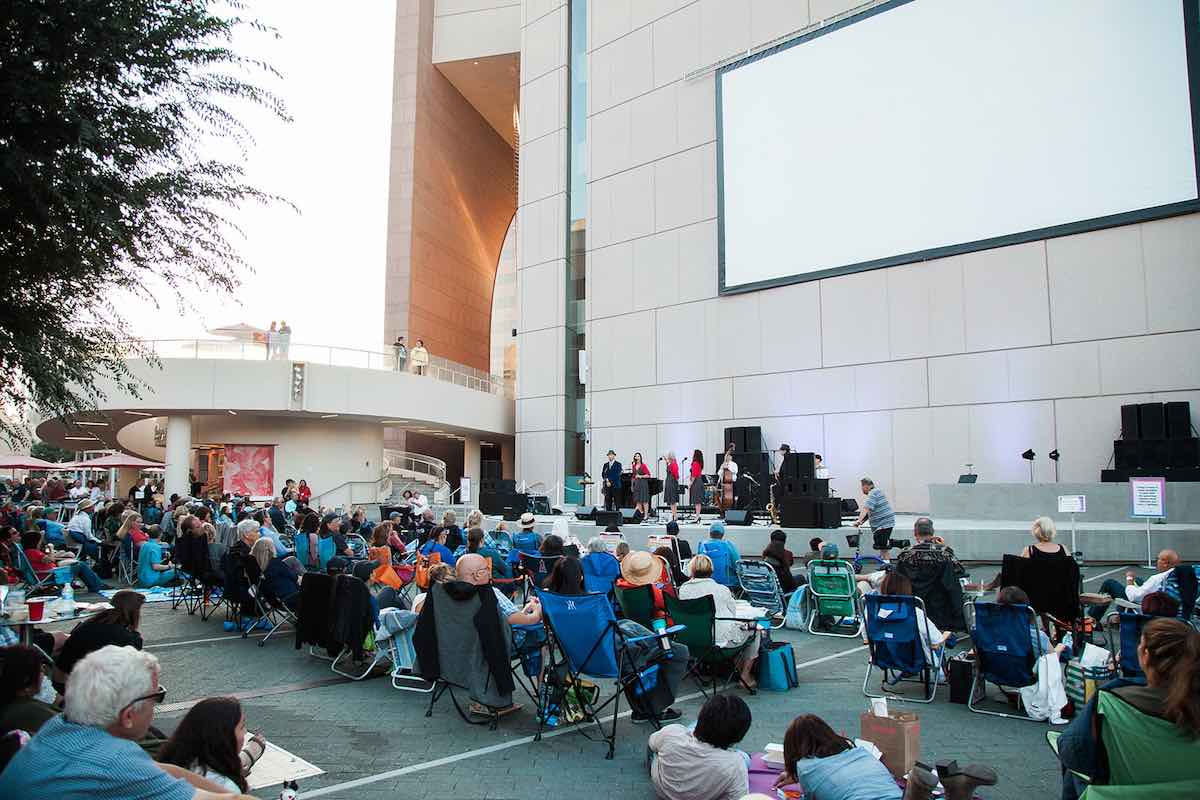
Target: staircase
(413,472)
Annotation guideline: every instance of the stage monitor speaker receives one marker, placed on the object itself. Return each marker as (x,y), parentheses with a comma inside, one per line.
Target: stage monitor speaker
(630,516)
(587,515)
(539,504)
(1184,453)
(1129,422)
(1179,419)
(514,505)
(829,513)
(1125,454)
(968,478)
(1113,476)
(735,437)
(849,507)
(1152,421)
(606,518)
(752,441)
(799,512)
(734,516)
(1153,454)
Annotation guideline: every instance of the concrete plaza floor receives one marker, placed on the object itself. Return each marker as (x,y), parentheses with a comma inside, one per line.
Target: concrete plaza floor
(375,742)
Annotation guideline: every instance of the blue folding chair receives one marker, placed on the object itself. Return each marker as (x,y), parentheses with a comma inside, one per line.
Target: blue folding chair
(325,551)
(1006,651)
(600,572)
(59,576)
(894,639)
(588,641)
(1131,634)
(535,569)
(724,572)
(760,585)
(300,545)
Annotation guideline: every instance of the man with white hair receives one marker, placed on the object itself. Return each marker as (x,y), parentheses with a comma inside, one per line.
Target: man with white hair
(91,750)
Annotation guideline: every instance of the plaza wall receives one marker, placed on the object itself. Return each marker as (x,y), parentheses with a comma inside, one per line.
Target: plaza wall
(904,374)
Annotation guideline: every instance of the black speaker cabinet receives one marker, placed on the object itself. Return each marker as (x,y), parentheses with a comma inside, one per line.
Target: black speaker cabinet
(735,437)
(736,516)
(1154,454)
(805,464)
(753,463)
(829,513)
(630,516)
(489,470)
(1125,454)
(752,441)
(1113,476)
(1183,453)
(606,518)
(1152,421)
(586,514)
(799,512)
(802,487)
(1129,422)
(1179,419)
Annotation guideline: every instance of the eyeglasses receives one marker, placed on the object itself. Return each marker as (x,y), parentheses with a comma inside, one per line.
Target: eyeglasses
(157,697)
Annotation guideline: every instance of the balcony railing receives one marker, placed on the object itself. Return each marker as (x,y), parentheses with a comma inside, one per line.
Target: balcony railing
(440,369)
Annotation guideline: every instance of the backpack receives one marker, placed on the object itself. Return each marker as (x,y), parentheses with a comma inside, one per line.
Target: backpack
(424,562)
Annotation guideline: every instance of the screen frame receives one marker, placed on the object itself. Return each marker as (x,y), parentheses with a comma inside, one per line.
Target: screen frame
(1191,24)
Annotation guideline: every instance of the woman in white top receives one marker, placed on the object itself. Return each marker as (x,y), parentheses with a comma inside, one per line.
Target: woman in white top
(420,358)
(729,631)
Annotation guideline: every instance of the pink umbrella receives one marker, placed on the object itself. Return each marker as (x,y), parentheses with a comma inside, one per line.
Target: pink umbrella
(114,461)
(16,461)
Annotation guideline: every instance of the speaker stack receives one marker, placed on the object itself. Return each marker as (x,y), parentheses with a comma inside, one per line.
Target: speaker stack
(803,498)
(1156,441)
(753,463)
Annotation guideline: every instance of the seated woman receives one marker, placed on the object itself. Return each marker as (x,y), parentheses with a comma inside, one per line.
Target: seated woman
(699,764)
(640,568)
(477,543)
(552,546)
(932,639)
(116,626)
(1016,596)
(1169,655)
(211,742)
(1043,532)
(830,767)
(781,559)
(153,569)
(279,579)
(20,684)
(331,528)
(565,578)
(32,542)
(437,544)
(380,553)
(438,573)
(131,526)
(729,633)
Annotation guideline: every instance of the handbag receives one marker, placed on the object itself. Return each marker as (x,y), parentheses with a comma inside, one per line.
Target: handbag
(777,667)
(960,671)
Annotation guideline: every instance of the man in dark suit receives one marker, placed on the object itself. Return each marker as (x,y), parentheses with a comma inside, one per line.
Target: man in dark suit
(611,477)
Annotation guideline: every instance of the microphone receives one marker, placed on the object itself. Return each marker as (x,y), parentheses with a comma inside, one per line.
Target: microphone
(660,458)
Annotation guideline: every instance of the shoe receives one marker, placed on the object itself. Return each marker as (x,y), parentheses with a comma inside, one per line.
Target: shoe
(104,587)
(667,715)
(920,783)
(961,784)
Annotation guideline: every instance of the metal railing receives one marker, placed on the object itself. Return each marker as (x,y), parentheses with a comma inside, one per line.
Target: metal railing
(441,369)
(402,466)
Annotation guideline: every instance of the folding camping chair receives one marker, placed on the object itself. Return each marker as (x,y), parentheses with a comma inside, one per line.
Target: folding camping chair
(833,593)
(600,572)
(894,640)
(760,585)
(189,591)
(51,580)
(352,623)
(126,563)
(535,570)
(1053,586)
(637,604)
(1131,634)
(393,635)
(585,634)
(269,609)
(699,618)
(1006,651)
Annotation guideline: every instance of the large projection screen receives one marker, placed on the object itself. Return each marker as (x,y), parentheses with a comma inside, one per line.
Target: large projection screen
(924,128)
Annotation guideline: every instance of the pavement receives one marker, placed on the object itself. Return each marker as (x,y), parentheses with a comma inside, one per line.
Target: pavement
(374,741)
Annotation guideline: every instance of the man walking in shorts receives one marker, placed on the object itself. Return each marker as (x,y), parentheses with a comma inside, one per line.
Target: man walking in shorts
(878,510)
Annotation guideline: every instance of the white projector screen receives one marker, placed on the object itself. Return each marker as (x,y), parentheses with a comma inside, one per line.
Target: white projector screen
(923,128)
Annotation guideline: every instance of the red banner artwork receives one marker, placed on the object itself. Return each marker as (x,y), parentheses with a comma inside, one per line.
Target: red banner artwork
(250,470)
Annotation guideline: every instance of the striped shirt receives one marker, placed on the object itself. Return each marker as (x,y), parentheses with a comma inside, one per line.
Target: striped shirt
(67,761)
(879,511)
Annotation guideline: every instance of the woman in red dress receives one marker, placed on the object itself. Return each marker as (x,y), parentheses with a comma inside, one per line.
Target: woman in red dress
(303,492)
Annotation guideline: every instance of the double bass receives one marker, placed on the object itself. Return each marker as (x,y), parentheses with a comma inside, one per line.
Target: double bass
(725,482)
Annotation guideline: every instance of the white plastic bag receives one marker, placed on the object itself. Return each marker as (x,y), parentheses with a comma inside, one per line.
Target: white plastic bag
(1093,656)
(1044,699)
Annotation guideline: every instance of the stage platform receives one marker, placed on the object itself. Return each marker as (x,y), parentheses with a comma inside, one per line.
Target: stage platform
(983,540)
(1106,502)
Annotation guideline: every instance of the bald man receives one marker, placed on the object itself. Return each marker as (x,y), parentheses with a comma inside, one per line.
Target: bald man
(1131,590)
(475,569)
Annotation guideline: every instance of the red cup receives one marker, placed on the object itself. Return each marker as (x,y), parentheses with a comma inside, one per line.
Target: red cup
(35,609)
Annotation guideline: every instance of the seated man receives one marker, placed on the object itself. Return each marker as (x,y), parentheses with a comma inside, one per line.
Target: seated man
(79,530)
(153,569)
(934,571)
(1132,589)
(723,555)
(91,750)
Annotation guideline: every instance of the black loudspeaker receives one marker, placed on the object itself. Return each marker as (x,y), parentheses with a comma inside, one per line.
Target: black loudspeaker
(538,504)
(829,513)
(1179,475)
(1152,421)
(607,518)
(630,516)
(1129,422)
(587,515)
(968,478)
(1125,454)
(753,463)
(804,465)
(489,470)
(802,487)
(849,506)
(1179,419)
(1183,453)
(752,441)
(799,512)
(1154,454)
(1113,476)
(735,437)
(738,517)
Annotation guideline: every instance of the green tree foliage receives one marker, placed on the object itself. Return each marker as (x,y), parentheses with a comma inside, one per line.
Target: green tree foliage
(109,110)
(48,452)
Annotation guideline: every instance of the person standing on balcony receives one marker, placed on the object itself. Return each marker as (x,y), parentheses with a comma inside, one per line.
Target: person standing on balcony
(420,358)
(272,341)
(285,339)
(401,351)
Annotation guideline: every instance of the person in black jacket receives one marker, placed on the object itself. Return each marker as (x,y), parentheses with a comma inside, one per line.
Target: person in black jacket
(117,626)
(934,571)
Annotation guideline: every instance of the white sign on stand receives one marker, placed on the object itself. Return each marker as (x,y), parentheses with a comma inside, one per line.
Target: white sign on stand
(1147,499)
(1072,504)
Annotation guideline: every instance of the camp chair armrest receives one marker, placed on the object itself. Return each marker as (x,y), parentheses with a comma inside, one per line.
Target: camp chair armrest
(1123,603)
(671,631)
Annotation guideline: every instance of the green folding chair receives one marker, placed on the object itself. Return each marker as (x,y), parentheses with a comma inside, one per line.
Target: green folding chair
(637,604)
(699,618)
(833,593)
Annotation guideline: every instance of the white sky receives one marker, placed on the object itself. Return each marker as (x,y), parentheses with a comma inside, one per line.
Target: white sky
(322,269)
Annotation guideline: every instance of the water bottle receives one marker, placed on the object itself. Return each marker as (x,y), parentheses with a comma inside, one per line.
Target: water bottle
(1069,641)
(68,600)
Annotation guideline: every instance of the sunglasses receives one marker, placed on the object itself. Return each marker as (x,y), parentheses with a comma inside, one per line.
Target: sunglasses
(157,697)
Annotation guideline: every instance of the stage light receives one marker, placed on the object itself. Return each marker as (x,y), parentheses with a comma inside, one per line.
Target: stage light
(1054,455)
(1028,455)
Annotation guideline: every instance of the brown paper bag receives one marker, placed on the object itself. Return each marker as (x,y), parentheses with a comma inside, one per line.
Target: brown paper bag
(898,735)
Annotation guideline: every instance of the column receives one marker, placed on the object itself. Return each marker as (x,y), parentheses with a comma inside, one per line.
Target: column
(471,468)
(508,459)
(179,455)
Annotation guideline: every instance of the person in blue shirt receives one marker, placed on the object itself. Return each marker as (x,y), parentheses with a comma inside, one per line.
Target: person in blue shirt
(152,569)
(437,544)
(91,750)
(723,555)
(829,766)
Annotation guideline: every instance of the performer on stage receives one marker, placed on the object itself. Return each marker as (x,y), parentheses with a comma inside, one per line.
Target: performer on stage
(671,484)
(610,477)
(726,479)
(640,475)
(784,450)
(696,487)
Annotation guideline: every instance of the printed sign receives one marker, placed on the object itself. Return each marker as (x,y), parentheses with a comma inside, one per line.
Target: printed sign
(1072,503)
(1146,497)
